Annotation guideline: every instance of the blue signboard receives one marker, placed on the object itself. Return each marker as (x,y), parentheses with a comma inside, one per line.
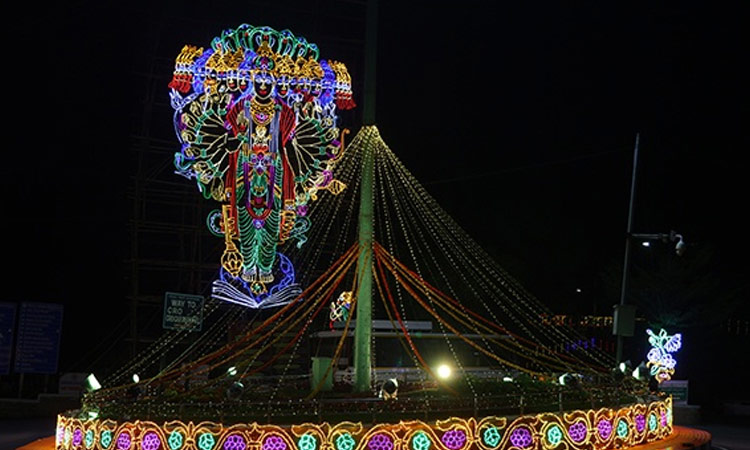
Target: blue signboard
(38,340)
(7,322)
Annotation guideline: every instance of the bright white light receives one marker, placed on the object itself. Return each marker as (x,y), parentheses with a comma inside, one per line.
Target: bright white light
(507,379)
(622,367)
(232,371)
(92,382)
(136,378)
(578,290)
(646,244)
(93,415)
(444,371)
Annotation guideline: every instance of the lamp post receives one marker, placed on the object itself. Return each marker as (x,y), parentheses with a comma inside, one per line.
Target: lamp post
(624,315)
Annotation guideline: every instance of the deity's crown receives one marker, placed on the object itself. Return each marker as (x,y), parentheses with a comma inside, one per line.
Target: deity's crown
(248,50)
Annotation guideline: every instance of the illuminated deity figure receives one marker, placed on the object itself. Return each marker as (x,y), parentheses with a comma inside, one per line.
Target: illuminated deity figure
(256,117)
(659,358)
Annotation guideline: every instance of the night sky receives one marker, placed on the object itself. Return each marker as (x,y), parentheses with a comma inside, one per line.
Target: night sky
(519,117)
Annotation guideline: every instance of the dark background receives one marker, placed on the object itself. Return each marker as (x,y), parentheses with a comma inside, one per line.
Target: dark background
(520,118)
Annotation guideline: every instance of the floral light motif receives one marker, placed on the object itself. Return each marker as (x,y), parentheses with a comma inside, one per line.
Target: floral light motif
(454,439)
(380,441)
(659,357)
(150,441)
(175,440)
(345,441)
(256,118)
(491,436)
(521,437)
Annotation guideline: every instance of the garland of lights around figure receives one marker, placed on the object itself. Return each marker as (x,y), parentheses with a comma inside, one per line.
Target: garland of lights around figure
(256,116)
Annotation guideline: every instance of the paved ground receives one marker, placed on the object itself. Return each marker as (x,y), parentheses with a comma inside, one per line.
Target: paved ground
(17,432)
(727,436)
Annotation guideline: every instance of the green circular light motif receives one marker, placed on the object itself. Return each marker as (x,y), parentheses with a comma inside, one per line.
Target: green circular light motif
(420,441)
(491,436)
(622,428)
(206,441)
(554,435)
(345,441)
(307,442)
(106,438)
(652,422)
(175,440)
(89,439)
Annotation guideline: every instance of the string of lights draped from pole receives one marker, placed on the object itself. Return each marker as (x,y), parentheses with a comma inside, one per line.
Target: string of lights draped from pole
(255,116)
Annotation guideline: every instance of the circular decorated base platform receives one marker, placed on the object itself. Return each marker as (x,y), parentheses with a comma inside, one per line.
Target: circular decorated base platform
(598,429)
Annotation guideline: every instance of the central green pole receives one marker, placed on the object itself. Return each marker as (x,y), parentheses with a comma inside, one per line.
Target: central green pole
(363,327)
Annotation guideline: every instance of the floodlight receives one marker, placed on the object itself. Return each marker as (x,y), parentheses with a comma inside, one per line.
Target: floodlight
(234,391)
(92,384)
(389,389)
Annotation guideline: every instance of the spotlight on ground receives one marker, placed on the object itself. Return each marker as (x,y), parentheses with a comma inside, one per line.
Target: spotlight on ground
(444,371)
(92,384)
(389,390)
(641,372)
(234,391)
(569,379)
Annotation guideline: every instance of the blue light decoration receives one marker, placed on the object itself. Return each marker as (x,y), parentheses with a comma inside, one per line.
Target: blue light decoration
(659,357)
(255,114)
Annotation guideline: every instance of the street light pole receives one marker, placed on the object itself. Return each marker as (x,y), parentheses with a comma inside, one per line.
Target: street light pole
(628,245)
(624,315)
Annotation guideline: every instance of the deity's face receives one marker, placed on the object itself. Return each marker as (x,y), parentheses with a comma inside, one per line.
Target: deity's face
(315,87)
(232,81)
(263,85)
(304,84)
(243,77)
(211,79)
(282,86)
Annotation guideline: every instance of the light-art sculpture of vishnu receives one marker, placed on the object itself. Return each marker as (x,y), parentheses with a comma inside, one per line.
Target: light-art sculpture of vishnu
(256,118)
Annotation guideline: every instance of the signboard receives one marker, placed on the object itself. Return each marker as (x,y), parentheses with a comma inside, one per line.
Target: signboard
(72,384)
(678,389)
(182,311)
(7,322)
(38,341)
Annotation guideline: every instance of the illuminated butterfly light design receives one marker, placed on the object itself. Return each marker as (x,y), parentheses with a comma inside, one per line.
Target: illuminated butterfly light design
(255,115)
(659,357)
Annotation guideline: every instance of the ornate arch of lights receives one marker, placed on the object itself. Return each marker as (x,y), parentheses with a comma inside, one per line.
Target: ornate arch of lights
(255,114)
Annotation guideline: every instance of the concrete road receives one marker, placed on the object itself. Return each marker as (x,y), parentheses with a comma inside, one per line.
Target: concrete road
(17,432)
